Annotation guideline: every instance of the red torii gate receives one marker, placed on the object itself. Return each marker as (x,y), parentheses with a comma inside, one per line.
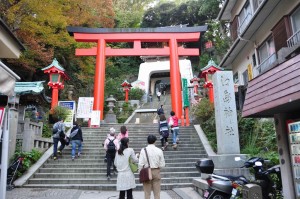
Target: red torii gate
(171,35)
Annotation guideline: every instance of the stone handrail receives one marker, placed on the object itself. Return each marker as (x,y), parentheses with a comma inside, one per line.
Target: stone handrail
(31,135)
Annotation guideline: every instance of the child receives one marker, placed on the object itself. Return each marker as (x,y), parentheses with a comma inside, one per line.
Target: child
(123,133)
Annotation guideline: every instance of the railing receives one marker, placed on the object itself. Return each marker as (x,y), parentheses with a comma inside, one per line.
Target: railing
(31,135)
(267,63)
(244,23)
(294,39)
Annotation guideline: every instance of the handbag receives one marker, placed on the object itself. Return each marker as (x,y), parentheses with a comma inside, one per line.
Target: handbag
(145,172)
(133,166)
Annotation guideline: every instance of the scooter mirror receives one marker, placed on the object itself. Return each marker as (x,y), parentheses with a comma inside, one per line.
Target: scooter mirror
(237,159)
(259,164)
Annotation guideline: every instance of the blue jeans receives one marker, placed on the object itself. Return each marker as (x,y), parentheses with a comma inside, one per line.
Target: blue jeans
(55,144)
(74,144)
(175,134)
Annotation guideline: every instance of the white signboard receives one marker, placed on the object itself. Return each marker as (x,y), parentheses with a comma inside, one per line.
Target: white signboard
(85,107)
(71,105)
(95,119)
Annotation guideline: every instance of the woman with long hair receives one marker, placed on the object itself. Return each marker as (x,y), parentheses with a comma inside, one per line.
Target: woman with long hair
(125,179)
(163,131)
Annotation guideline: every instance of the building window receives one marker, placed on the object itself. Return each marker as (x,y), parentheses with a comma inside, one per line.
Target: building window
(256,4)
(245,77)
(295,22)
(267,55)
(244,17)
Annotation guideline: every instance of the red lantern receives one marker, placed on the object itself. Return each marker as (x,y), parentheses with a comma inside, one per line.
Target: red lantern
(126,87)
(207,73)
(56,80)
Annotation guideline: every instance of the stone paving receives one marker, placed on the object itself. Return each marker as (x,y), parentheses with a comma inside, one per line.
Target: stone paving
(38,193)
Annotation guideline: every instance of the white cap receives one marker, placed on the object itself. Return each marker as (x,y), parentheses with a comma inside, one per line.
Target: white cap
(112,131)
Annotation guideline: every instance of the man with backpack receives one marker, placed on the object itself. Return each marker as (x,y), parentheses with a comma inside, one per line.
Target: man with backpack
(58,136)
(111,146)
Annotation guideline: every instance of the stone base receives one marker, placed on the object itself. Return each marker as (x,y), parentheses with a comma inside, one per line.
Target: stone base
(227,161)
(110,118)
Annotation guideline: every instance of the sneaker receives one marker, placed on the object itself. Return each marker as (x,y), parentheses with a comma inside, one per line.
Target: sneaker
(166,144)
(174,146)
(54,158)
(79,154)
(73,158)
(163,148)
(108,177)
(177,141)
(59,152)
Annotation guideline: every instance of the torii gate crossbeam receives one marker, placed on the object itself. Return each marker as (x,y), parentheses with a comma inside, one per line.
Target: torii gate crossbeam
(102,36)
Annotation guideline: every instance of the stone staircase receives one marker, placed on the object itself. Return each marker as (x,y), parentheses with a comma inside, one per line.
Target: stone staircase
(89,171)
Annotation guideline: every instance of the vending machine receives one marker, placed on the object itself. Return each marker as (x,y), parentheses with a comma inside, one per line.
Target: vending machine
(294,141)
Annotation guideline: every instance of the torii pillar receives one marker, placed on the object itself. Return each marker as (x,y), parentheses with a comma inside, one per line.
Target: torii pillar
(172,36)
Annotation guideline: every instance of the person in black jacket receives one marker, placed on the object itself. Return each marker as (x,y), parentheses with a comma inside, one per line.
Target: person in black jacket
(76,140)
(163,131)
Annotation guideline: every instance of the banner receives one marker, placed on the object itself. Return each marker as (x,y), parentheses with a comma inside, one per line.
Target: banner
(71,105)
(185,92)
(85,107)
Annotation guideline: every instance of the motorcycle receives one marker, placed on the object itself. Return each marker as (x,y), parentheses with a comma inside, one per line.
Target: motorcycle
(227,186)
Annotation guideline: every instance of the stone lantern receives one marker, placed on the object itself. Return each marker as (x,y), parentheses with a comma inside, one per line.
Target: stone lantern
(111,117)
(207,73)
(126,87)
(57,76)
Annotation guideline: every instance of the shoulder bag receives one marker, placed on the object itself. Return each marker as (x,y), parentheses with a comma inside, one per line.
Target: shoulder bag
(145,173)
(133,166)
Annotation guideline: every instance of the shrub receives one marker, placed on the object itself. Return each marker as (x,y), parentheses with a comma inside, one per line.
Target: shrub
(60,112)
(136,94)
(29,159)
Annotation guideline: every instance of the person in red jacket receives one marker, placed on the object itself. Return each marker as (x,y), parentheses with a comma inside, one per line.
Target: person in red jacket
(173,123)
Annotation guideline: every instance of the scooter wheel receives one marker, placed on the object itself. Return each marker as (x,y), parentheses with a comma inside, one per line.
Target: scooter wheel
(220,196)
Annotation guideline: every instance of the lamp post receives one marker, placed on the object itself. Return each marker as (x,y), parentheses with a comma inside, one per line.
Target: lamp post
(207,73)
(126,87)
(195,81)
(57,76)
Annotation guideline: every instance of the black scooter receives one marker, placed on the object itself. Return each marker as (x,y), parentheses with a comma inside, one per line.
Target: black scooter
(227,186)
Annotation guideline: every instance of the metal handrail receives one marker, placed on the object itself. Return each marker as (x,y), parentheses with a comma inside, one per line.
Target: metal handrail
(244,23)
(294,39)
(265,65)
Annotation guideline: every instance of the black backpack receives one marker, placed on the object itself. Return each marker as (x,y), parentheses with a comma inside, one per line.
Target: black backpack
(111,147)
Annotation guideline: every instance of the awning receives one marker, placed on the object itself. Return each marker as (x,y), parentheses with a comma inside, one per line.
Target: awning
(276,91)
(7,80)
(22,88)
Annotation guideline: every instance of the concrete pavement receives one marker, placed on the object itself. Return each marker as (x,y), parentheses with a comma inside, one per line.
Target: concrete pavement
(40,193)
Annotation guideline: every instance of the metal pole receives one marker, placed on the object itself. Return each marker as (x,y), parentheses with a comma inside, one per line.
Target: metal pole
(4,160)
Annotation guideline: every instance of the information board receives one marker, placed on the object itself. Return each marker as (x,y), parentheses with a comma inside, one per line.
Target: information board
(71,105)
(85,107)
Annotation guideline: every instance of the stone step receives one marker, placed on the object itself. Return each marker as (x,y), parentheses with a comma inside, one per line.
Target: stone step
(190,173)
(84,164)
(64,161)
(103,187)
(101,180)
(167,156)
(183,147)
(103,169)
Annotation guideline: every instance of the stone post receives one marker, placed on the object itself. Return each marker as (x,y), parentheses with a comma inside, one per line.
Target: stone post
(13,117)
(28,137)
(225,113)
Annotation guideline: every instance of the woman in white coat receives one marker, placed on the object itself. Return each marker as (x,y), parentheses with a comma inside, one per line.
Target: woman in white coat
(125,179)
